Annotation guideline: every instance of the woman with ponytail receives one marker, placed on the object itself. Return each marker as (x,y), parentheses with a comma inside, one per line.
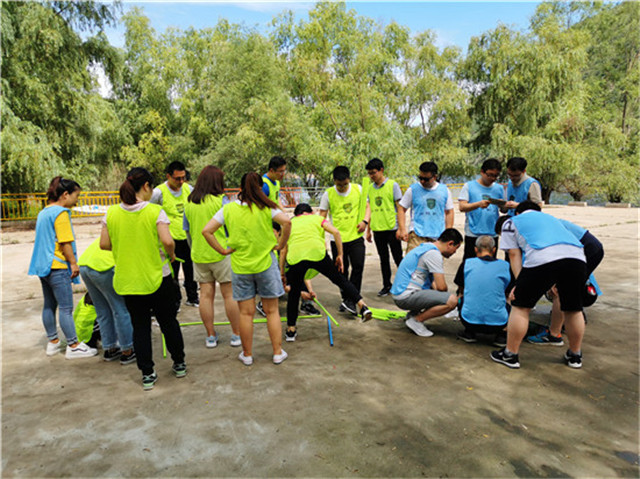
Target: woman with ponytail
(251,245)
(138,234)
(210,266)
(54,262)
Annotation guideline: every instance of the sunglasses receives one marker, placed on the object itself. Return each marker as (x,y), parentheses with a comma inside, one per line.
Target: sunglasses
(425,179)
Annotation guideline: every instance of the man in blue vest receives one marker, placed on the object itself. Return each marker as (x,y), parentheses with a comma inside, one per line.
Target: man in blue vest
(420,286)
(552,255)
(431,208)
(521,187)
(172,196)
(484,303)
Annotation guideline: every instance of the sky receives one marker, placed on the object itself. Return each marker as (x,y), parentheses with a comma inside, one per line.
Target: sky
(454,22)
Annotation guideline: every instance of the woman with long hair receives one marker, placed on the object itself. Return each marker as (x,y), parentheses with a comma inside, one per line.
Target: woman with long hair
(54,262)
(138,234)
(251,245)
(210,266)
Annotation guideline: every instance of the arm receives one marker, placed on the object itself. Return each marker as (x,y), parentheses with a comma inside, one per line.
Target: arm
(401,234)
(282,260)
(167,241)
(365,222)
(67,252)
(105,239)
(283,220)
(323,213)
(209,235)
(448,219)
(515,259)
(439,282)
(465,206)
(329,228)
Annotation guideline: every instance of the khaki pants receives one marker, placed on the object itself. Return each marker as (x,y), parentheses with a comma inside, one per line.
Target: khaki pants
(415,240)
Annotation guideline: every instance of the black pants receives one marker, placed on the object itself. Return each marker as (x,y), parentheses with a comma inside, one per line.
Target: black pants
(353,256)
(162,303)
(184,252)
(385,241)
(295,279)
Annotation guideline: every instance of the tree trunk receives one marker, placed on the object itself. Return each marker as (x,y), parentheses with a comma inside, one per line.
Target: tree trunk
(546,194)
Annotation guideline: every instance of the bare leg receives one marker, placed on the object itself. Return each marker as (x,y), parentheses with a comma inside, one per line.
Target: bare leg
(575,329)
(274,326)
(557,317)
(439,310)
(207,292)
(517,327)
(247,307)
(231,307)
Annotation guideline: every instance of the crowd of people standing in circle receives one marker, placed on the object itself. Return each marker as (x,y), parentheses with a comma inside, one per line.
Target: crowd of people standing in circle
(251,248)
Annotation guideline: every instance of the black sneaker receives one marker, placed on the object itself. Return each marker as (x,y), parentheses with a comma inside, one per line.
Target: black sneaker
(128,358)
(365,314)
(290,336)
(260,309)
(467,336)
(148,381)
(573,360)
(349,307)
(341,308)
(308,308)
(384,291)
(511,360)
(500,340)
(112,354)
(194,303)
(179,369)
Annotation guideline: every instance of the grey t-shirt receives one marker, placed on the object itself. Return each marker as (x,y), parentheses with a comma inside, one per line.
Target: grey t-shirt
(429,263)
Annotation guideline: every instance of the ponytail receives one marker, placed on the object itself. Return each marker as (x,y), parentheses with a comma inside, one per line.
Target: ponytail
(251,191)
(136,179)
(59,186)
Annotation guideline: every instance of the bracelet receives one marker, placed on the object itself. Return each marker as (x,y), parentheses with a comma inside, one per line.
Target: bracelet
(365,222)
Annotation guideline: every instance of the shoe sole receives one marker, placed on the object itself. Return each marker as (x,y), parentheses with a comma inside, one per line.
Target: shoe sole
(180,374)
(509,365)
(348,310)
(411,327)
(115,358)
(469,340)
(289,340)
(233,345)
(546,343)
(148,387)
(76,356)
(367,317)
(245,362)
(211,346)
(128,361)
(281,360)
(572,365)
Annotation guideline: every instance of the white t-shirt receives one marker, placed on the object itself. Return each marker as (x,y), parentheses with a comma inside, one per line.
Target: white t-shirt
(219,216)
(512,239)
(407,201)
(156,196)
(430,262)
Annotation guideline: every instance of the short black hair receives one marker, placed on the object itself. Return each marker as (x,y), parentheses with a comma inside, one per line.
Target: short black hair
(517,163)
(451,234)
(302,208)
(491,164)
(429,167)
(374,164)
(175,166)
(499,223)
(276,162)
(527,205)
(341,173)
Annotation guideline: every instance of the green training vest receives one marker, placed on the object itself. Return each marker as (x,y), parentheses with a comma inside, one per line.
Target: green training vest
(345,212)
(306,242)
(274,190)
(174,207)
(251,236)
(96,258)
(383,207)
(136,249)
(198,216)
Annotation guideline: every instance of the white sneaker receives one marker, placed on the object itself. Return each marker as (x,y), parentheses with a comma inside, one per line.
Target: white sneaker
(53,348)
(418,328)
(80,351)
(211,341)
(235,340)
(453,314)
(246,360)
(279,358)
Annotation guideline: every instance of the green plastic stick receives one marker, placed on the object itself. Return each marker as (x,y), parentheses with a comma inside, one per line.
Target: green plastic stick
(326,312)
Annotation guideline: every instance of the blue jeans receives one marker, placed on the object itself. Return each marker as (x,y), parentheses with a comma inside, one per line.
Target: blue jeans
(56,289)
(111,311)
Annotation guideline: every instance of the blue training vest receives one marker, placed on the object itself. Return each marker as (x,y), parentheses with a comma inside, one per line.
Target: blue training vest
(428,210)
(541,230)
(45,243)
(519,193)
(484,285)
(577,231)
(408,266)
(482,221)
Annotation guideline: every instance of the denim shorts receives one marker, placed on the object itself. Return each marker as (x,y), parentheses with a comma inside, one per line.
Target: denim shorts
(267,284)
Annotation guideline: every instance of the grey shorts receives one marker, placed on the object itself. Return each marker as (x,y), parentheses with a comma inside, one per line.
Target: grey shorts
(423,299)
(267,284)
(212,272)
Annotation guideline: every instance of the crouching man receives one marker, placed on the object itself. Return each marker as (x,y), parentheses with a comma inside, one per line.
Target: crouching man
(419,285)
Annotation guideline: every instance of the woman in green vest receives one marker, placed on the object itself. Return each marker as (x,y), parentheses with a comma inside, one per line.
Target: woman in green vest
(138,234)
(251,245)
(210,266)
(307,250)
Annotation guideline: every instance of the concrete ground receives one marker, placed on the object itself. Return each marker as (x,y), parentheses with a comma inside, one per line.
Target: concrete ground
(382,403)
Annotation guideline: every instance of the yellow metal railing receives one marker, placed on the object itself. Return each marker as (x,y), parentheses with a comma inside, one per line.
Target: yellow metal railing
(26,206)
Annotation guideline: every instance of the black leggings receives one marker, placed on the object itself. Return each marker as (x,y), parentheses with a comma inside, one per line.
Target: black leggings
(353,253)
(295,279)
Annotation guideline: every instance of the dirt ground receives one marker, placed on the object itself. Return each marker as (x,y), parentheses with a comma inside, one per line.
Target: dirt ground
(382,402)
